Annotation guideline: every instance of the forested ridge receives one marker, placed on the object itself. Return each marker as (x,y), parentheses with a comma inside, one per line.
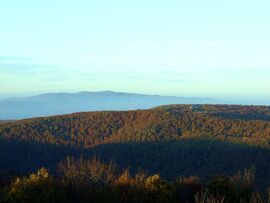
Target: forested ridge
(172,141)
(247,124)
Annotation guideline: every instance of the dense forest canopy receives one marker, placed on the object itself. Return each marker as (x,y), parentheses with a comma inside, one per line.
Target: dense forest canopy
(172,141)
(245,124)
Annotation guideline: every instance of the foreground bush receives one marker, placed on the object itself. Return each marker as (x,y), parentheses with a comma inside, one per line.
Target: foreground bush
(92,181)
(38,187)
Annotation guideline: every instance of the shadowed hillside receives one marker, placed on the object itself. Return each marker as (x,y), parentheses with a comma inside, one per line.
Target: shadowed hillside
(171,159)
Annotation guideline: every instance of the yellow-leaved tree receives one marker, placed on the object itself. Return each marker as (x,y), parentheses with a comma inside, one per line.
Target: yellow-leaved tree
(39,187)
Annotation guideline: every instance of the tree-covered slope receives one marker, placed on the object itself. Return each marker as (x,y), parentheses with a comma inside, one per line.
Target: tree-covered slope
(247,124)
(171,140)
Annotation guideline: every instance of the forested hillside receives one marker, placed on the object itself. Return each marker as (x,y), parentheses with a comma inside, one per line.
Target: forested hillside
(173,141)
(244,124)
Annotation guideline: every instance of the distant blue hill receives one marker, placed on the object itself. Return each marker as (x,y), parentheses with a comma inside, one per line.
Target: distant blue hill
(63,103)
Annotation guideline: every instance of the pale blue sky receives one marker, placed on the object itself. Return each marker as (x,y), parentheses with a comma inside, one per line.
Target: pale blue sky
(199,48)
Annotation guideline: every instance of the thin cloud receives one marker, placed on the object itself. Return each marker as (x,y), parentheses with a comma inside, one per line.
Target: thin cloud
(21,68)
(10,36)
(218,44)
(193,44)
(144,46)
(4,59)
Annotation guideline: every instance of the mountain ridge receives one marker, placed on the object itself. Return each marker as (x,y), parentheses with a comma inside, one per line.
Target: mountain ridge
(64,103)
(248,124)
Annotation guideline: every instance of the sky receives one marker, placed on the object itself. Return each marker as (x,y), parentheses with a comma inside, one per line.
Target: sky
(209,48)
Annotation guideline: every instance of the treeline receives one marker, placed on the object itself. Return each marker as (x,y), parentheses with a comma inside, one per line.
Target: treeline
(94,181)
(228,111)
(243,124)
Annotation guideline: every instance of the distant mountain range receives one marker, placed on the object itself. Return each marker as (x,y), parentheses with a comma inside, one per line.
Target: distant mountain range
(64,103)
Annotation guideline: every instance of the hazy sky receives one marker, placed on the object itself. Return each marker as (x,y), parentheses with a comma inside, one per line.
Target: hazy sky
(200,48)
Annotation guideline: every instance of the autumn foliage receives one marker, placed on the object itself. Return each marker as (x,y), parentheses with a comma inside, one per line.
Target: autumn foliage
(93,181)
